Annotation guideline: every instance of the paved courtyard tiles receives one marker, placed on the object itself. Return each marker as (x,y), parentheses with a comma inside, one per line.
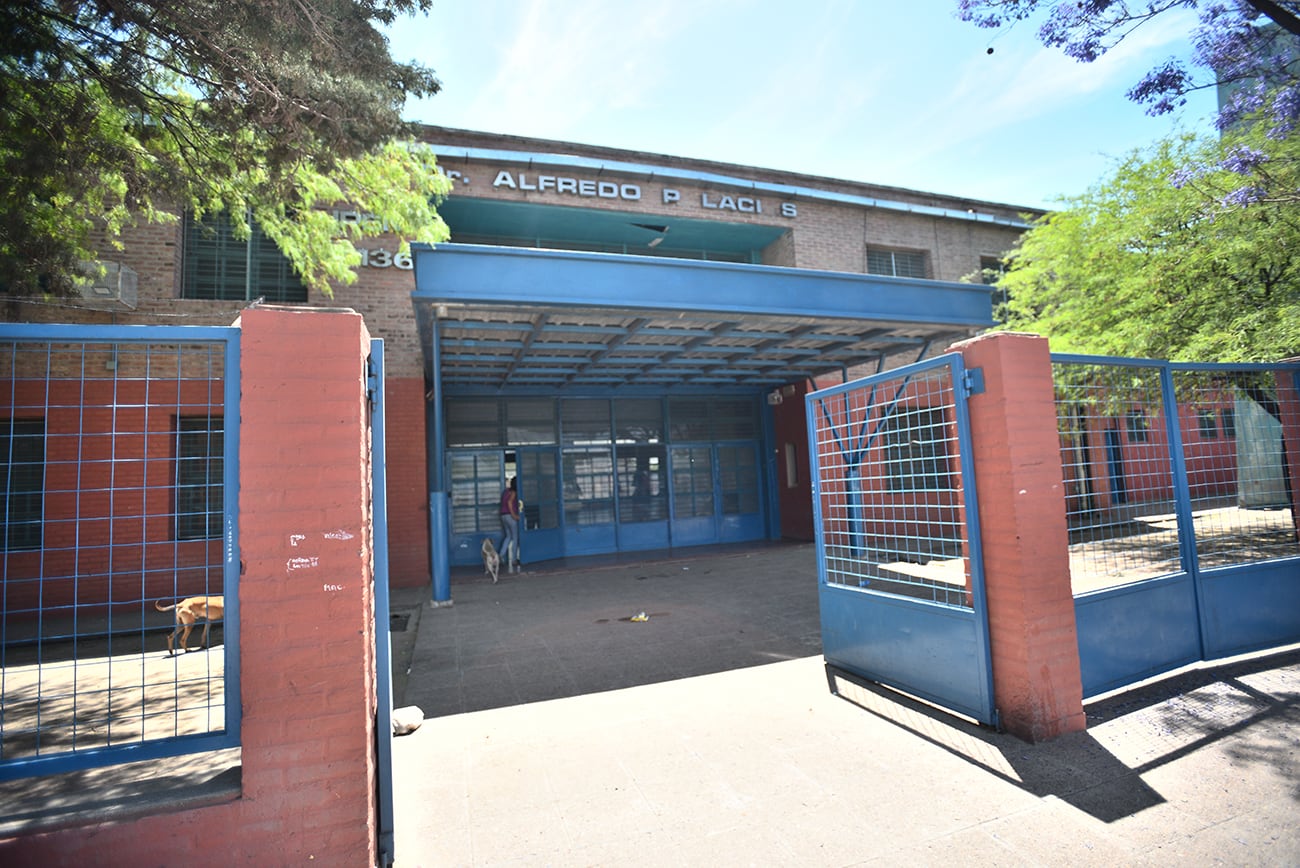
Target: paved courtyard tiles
(560,733)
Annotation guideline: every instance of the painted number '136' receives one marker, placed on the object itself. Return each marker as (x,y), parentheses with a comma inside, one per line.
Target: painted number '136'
(380,258)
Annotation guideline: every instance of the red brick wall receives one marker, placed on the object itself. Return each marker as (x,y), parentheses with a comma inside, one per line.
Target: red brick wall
(408,490)
(306,623)
(108,536)
(1037,686)
(790,423)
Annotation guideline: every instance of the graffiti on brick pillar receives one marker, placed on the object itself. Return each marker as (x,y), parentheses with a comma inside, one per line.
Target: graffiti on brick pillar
(311,562)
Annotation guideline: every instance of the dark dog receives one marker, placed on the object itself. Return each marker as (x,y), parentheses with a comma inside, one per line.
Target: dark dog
(189,612)
(491,560)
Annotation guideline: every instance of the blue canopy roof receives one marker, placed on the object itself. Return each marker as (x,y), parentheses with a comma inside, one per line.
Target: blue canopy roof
(502,317)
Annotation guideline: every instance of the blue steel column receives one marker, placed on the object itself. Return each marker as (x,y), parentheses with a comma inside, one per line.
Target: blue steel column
(770,450)
(383,639)
(439,537)
(1182,498)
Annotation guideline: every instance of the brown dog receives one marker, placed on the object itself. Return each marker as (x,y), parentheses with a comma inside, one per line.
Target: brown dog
(189,612)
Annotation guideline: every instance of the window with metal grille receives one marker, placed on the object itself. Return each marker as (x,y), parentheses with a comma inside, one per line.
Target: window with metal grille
(916,449)
(738,480)
(22,482)
(638,420)
(1138,426)
(896,263)
(1208,424)
(217,265)
(991,270)
(692,470)
(585,420)
(588,485)
(476,484)
(530,421)
(474,422)
(735,419)
(688,419)
(200,465)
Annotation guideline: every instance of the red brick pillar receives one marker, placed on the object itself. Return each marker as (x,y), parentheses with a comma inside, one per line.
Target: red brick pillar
(1036,682)
(1288,398)
(306,607)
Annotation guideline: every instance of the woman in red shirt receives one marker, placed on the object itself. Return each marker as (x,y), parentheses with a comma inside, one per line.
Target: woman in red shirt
(510,507)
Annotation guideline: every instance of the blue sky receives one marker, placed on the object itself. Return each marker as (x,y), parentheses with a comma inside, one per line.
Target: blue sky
(896,93)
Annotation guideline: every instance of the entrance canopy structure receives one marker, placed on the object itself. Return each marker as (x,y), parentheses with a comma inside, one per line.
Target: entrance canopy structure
(509,324)
(518,318)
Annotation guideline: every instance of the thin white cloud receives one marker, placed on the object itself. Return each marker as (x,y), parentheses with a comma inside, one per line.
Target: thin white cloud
(1024,84)
(557,63)
(874,92)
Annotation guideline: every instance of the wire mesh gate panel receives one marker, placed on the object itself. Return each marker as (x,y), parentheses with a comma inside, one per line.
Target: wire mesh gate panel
(1181,505)
(118,475)
(896,524)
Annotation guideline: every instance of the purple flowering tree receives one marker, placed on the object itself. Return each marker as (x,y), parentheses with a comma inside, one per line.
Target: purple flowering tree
(1250,45)
(1188,250)
(1251,48)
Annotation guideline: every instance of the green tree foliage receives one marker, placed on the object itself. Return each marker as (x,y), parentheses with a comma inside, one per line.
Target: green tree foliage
(115,111)
(1163,261)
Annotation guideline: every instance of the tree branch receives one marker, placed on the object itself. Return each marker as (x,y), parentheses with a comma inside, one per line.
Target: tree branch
(1285,19)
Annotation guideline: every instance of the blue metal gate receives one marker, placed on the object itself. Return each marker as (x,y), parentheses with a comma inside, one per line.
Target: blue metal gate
(383,646)
(897,530)
(119,470)
(1181,504)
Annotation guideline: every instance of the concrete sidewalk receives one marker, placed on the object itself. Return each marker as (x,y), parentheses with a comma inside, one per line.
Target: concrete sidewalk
(762,765)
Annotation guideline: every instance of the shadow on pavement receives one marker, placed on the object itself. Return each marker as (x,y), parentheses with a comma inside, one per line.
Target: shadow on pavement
(1254,702)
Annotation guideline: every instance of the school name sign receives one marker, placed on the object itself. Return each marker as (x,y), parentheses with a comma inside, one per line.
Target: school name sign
(589,188)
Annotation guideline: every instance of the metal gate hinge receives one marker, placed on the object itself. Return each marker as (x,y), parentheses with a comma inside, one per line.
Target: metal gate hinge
(972,381)
(372,381)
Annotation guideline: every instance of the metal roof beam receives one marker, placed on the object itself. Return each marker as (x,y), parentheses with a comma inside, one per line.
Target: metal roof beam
(585,329)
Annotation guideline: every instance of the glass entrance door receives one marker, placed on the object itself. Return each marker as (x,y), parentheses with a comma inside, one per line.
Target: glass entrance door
(539,489)
(693,520)
(738,490)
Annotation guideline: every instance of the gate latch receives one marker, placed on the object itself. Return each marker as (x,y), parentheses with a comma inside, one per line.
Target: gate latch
(972,381)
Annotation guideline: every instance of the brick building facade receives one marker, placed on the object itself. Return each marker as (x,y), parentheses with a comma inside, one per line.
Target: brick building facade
(520,315)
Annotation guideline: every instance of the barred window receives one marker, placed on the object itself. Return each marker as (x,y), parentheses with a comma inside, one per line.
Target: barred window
(217,265)
(22,482)
(585,420)
(916,449)
(991,270)
(896,263)
(200,468)
(530,421)
(1229,418)
(474,422)
(1207,423)
(476,481)
(1138,426)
